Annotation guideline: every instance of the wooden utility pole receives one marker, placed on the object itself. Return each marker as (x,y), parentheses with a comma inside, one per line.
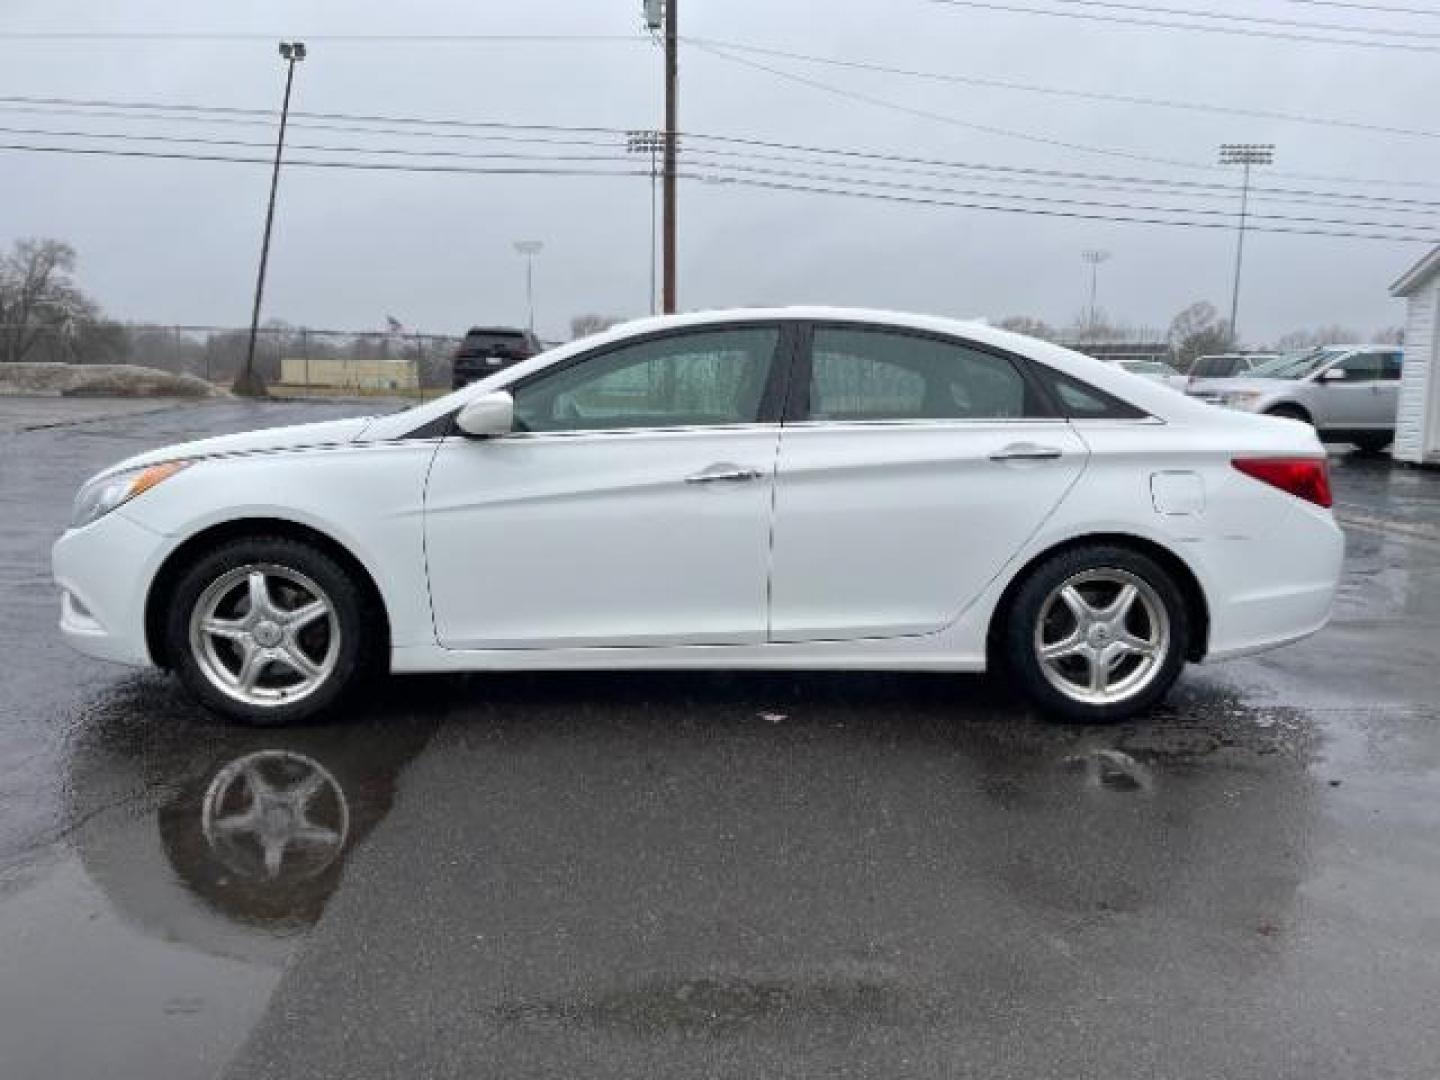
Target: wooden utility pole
(672,66)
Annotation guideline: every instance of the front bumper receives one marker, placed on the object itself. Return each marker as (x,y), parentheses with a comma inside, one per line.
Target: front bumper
(104,572)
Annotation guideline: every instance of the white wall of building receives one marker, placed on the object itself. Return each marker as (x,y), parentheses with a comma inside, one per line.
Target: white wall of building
(1417,431)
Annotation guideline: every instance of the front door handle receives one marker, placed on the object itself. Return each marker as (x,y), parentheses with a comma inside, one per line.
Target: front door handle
(720,474)
(1026,451)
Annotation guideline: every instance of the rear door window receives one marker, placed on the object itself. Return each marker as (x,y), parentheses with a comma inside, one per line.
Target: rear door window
(1361,367)
(859,373)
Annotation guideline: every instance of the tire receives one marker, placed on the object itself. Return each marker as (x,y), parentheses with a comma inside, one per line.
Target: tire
(309,647)
(1290,412)
(1372,444)
(1042,614)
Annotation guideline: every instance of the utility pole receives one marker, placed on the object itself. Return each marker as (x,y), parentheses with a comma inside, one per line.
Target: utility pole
(248,383)
(1244,154)
(649,142)
(1094,257)
(529,249)
(672,73)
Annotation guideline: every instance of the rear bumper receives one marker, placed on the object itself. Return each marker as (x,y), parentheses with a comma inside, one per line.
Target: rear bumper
(1283,588)
(104,572)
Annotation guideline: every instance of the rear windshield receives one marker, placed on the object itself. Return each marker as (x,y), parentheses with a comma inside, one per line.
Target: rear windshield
(492,341)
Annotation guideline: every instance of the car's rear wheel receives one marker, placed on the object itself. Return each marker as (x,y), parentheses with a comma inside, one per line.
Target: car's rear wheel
(269,630)
(1289,412)
(1097,633)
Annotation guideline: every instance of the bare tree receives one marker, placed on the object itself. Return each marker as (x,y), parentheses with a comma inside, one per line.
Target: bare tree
(1024,324)
(1197,331)
(1299,340)
(1390,335)
(38,297)
(585,325)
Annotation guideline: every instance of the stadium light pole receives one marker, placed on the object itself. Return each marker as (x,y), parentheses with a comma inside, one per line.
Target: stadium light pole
(648,142)
(249,383)
(1246,155)
(529,249)
(1094,257)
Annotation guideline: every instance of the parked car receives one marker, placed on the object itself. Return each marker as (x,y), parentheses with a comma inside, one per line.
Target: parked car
(945,497)
(1349,393)
(485,350)
(1226,366)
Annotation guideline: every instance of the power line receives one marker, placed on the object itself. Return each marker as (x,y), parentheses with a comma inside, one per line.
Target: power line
(310,163)
(1381,8)
(1128,185)
(925,114)
(1004,84)
(489,130)
(317,148)
(923,201)
(1090,209)
(1261,20)
(942,118)
(615,156)
(1199,212)
(1091,16)
(553,135)
(331,39)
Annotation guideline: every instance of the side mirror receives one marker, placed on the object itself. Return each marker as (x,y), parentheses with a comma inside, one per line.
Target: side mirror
(487,416)
(1333,374)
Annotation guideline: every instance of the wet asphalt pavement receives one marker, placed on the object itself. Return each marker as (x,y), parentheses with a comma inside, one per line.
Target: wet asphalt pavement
(737,875)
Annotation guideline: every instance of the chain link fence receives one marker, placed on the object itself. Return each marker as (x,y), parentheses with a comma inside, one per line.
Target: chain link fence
(292,361)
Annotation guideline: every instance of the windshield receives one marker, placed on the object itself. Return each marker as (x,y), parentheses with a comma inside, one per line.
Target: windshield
(1296,366)
(1146,367)
(1215,367)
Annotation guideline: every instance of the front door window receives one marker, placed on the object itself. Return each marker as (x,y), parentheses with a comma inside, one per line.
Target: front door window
(700,379)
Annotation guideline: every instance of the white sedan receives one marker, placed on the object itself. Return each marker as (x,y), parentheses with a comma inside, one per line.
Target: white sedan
(806,488)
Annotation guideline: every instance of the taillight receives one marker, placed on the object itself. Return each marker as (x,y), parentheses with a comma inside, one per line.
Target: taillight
(1305,478)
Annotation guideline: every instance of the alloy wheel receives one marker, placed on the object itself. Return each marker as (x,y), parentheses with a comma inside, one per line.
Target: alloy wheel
(1102,636)
(265,635)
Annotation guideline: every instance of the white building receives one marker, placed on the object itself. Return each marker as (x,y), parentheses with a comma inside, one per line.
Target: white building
(1417,427)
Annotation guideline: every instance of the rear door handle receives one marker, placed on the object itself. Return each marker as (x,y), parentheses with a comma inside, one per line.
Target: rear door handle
(1026,451)
(722,474)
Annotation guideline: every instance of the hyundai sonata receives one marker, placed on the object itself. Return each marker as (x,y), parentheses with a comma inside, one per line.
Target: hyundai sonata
(795,488)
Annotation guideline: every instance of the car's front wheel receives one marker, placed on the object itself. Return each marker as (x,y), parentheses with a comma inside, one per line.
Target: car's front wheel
(1097,633)
(269,630)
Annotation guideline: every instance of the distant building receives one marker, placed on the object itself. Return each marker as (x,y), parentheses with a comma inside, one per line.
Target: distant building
(334,373)
(1417,424)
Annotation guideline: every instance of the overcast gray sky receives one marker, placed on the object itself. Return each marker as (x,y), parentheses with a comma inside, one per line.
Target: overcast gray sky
(177,241)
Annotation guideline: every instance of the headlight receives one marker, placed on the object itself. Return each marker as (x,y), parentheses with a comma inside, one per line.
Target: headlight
(1240,399)
(99,497)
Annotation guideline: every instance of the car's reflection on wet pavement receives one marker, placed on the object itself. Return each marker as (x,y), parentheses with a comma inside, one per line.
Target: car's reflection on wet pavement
(677,874)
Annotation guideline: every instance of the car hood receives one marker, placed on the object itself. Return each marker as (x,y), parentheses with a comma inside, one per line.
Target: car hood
(266,440)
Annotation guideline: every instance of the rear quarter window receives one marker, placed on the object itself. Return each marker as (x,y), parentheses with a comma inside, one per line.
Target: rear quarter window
(1077,400)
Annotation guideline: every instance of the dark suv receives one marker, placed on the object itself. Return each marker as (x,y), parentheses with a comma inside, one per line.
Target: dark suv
(487,350)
